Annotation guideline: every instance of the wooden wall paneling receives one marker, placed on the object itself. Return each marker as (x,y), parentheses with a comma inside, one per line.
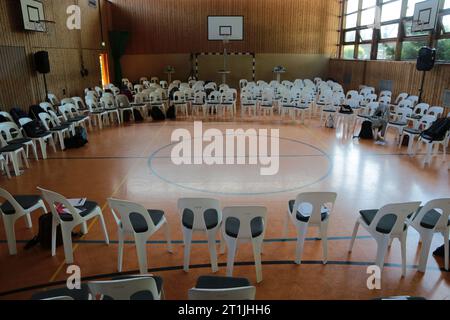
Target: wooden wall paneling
(62,44)
(271,26)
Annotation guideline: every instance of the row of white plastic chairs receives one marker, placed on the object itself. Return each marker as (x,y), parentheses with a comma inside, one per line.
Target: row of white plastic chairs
(237,224)
(15,145)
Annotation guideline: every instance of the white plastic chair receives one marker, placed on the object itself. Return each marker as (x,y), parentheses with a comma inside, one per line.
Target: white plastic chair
(123,104)
(433,147)
(134,220)
(311,209)
(109,105)
(384,225)
(414,132)
(179,100)
(222,289)
(53,99)
(431,219)
(436,111)
(199,104)
(42,139)
(244,224)
(59,131)
(248,105)
(126,289)
(97,112)
(200,215)
(15,208)
(70,219)
(8,129)
(14,154)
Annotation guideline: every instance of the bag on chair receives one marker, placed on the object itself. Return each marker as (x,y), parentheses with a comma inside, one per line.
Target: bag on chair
(172,113)
(157,114)
(440,252)
(79,140)
(44,237)
(330,122)
(366,131)
(437,131)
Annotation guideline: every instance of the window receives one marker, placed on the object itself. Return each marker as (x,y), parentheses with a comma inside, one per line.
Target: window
(386,51)
(443,50)
(410,49)
(382,29)
(391,11)
(389,31)
(364,51)
(349,52)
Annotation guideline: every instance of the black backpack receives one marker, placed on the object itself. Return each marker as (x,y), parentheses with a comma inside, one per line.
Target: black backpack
(79,140)
(171,113)
(34,129)
(17,114)
(3,119)
(157,114)
(366,131)
(437,131)
(440,252)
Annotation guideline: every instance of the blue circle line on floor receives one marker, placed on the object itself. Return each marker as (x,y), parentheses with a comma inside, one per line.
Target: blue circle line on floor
(322,153)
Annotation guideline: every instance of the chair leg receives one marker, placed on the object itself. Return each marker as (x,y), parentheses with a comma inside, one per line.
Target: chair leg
(43,148)
(67,241)
(166,229)
(213,250)
(141,248)
(84,228)
(52,143)
(14,160)
(355,233)
(33,146)
(10,235)
(187,233)
(28,221)
(381,251)
(257,244)
(25,158)
(301,236)
(446,247)
(54,228)
(232,246)
(427,239)
(286,224)
(403,249)
(105,231)
(324,235)
(121,240)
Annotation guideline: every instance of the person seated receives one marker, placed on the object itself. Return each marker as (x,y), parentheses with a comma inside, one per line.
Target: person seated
(380,120)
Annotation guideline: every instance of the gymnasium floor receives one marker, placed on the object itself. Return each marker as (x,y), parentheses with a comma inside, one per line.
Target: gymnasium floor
(132,162)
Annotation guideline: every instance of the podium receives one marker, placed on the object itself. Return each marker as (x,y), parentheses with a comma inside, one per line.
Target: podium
(169,75)
(278,74)
(224,74)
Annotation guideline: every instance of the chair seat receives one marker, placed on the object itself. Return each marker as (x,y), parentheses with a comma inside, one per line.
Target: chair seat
(413,131)
(81,118)
(60,128)
(144,295)
(305,218)
(288,105)
(198,104)
(386,223)
(430,219)
(25,202)
(11,148)
(211,218)
(140,224)
(396,123)
(232,227)
(20,141)
(98,112)
(87,209)
(415,117)
(249,104)
(211,283)
(302,107)
(78,295)
(137,105)
(329,110)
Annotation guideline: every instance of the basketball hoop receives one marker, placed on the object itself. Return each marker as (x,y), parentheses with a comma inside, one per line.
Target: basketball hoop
(41,25)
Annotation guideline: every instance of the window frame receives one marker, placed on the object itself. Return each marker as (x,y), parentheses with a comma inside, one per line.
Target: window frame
(431,38)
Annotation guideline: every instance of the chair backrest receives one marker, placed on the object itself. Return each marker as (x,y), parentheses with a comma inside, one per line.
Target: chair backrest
(79,103)
(53,99)
(54,199)
(211,85)
(426,122)
(373,106)
(66,111)
(243,83)
(385,100)
(6,115)
(122,101)
(233,294)
(93,105)
(353,103)
(403,112)
(199,208)
(67,101)
(386,93)
(155,98)
(245,216)
(413,99)
(179,97)
(436,111)
(47,121)
(124,211)
(164,84)
(314,203)
(402,96)
(124,290)
(108,102)
(8,197)
(200,97)
(421,109)
(406,104)
(138,88)
(10,131)
(46,106)
(352,94)
(441,206)
(214,96)
(400,211)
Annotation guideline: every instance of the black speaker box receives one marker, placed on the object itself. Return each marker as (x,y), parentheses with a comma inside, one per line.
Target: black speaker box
(42,62)
(426,59)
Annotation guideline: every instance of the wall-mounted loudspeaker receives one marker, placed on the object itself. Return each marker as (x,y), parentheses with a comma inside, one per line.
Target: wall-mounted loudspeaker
(426,59)
(42,62)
